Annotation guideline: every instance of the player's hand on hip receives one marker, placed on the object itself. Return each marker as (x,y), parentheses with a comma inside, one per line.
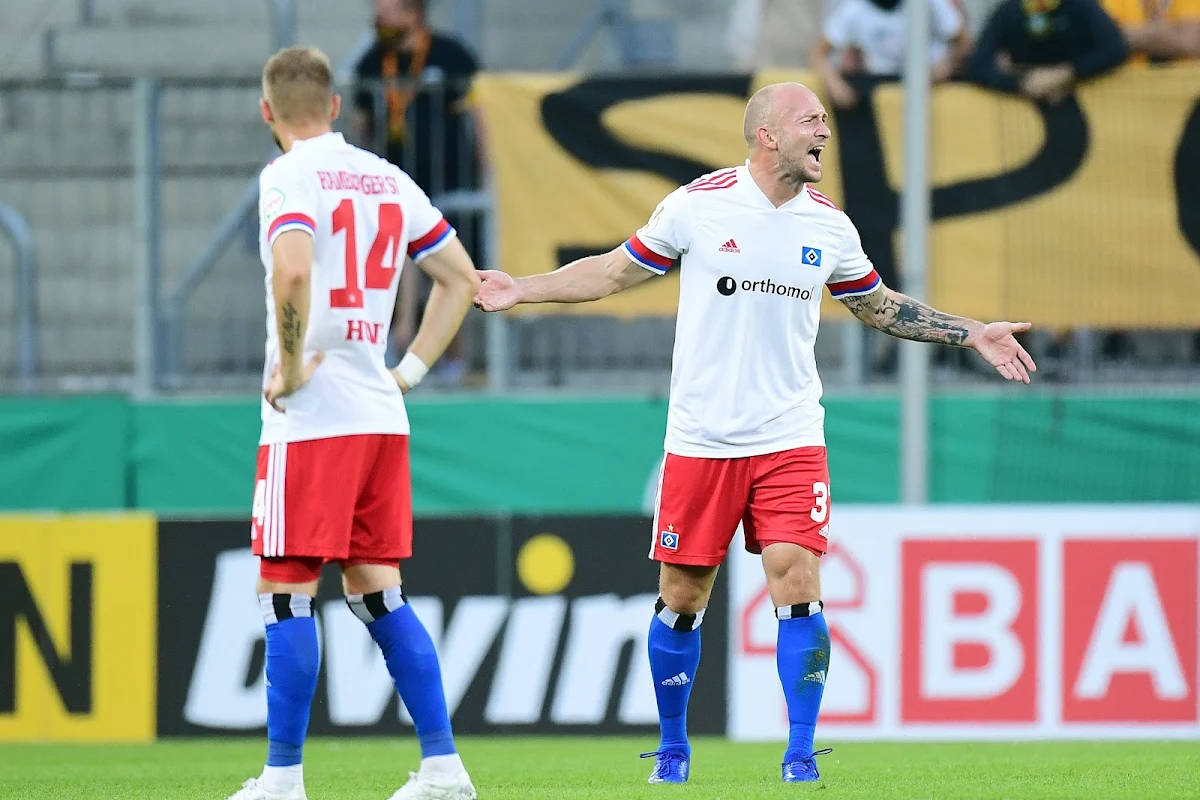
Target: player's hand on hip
(996,343)
(281,387)
(497,291)
(404,387)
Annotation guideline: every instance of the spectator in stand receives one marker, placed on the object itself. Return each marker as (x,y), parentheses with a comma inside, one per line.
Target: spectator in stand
(868,36)
(1041,48)
(1158,30)
(414,107)
(774,33)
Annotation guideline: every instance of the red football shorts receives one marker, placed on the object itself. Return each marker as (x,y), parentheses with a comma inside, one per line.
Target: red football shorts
(347,498)
(778,497)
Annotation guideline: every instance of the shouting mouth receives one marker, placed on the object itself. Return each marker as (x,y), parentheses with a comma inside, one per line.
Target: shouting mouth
(814,156)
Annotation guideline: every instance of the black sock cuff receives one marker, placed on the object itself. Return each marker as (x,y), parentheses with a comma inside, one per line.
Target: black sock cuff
(800,610)
(376,605)
(278,607)
(676,621)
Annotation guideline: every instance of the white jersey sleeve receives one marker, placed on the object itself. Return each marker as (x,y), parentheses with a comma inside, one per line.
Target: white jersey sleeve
(428,229)
(854,273)
(667,235)
(841,27)
(285,201)
(948,21)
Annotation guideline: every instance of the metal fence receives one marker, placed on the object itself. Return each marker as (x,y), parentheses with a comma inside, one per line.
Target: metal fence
(140,202)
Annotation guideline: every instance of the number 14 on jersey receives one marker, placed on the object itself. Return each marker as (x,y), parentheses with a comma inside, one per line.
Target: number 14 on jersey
(376,274)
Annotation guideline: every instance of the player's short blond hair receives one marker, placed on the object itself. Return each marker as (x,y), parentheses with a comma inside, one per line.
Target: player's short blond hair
(298,83)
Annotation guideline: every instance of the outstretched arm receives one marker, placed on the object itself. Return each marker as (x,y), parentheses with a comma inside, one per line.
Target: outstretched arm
(580,281)
(905,318)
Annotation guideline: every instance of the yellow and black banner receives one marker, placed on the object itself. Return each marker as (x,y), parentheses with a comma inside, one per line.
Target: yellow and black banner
(78,611)
(1087,213)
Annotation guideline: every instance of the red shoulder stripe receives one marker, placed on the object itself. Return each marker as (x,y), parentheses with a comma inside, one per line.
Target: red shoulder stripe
(713,187)
(822,199)
(722,183)
(715,177)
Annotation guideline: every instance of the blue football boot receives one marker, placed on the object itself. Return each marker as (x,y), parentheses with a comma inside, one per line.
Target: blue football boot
(803,770)
(670,766)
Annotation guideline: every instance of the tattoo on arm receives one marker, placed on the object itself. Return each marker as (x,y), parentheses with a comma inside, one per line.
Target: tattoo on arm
(290,327)
(905,318)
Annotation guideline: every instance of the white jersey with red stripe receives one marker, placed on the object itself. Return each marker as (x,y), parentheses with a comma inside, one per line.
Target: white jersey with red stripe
(744,377)
(364,215)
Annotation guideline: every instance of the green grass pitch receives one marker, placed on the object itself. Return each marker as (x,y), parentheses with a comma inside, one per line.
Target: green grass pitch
(608,769)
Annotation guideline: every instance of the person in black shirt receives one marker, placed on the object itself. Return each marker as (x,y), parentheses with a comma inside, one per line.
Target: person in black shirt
(414,107)
(1042,47)
(414,99)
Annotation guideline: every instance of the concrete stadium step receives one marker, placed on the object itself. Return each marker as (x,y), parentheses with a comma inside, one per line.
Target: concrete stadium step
(86,345)
(70,201)
(20,54)
(86,294)
(23,17)
(535,15)
(89,202)
(100,252)
(174,50)
(701,45)
(237,151)
(158,12)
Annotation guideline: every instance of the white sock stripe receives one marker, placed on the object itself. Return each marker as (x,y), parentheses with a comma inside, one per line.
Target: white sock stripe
(785,612)
(267,603)
(355,601)
(301,605)
(381,604)
(280,544)
(669,618)
(393,598)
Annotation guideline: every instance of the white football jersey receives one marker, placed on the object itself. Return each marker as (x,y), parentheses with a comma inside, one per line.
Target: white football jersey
(881,36)
(743,376)
(364,215)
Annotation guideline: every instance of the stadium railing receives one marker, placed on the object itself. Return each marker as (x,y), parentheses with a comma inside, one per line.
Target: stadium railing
(122,202)
(16,228)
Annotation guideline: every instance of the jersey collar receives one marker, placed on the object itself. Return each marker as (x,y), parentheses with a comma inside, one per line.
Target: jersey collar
(324,140)
(752,187)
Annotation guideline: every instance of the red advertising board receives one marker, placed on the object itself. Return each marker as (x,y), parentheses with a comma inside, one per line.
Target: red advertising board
(990,622)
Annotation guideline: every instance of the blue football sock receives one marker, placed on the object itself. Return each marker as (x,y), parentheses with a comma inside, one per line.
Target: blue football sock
(674,647)
(802,656)
(293,661)
(412,662)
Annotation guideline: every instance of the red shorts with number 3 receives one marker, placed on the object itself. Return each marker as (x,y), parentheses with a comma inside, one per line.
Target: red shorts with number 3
(346,498)
(778,497)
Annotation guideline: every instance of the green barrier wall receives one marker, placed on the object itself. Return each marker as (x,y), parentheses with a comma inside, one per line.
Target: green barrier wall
(68,453)
(599,455)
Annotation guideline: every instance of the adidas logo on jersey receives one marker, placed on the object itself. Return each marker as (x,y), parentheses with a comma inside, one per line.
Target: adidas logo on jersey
(816,677)
(729,247)
(680,680)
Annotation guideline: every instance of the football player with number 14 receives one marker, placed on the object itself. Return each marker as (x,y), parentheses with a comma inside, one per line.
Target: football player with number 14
(333,485)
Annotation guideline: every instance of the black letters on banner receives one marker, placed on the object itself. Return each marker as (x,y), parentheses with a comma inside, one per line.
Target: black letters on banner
(517,655)
(875,206)
(70,672)
(1187,179)
(574,118)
